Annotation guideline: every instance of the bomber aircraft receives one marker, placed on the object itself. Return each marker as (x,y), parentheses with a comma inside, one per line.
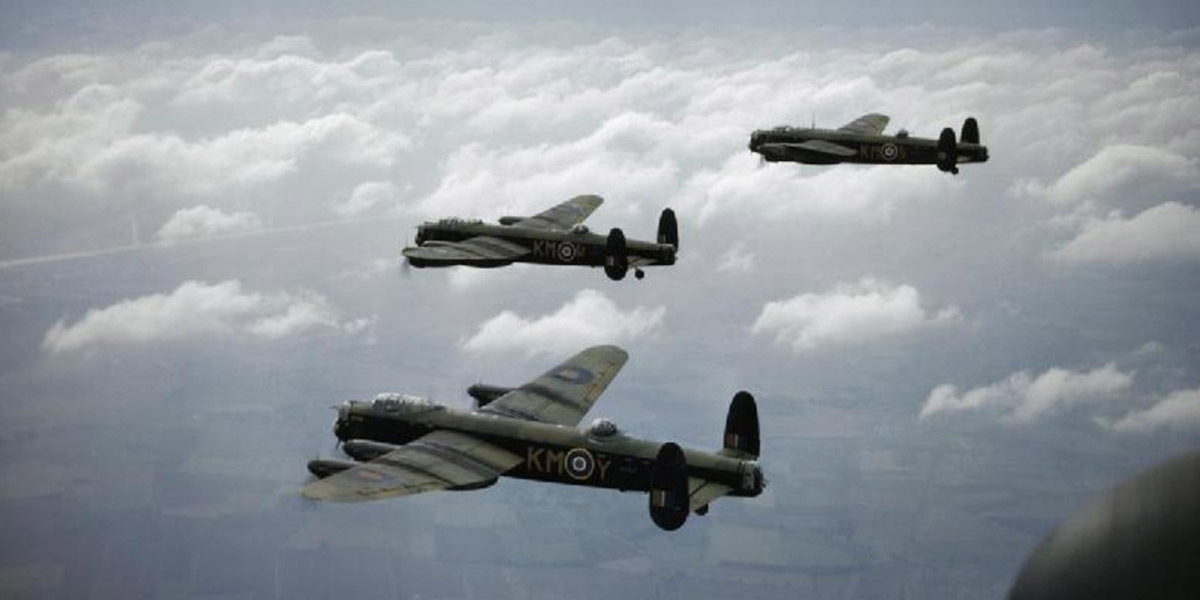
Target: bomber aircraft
(405,445)
(554,237)
(862,141)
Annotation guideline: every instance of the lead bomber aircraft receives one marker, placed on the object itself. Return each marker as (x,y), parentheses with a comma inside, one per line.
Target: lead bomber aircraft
(554,237)
(862,141)
(407,445)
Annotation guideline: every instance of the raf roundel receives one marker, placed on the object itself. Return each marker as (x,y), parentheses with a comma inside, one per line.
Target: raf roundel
(889,151)
(575,375)
(566,252)
(579,464)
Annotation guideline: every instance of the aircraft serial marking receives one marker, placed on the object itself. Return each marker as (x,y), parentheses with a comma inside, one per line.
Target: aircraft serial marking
(577,463)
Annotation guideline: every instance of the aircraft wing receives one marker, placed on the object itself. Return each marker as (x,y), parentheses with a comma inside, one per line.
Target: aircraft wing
(438,460)
(481,249)
(703,491)
(563,394)
(565,215)
(642,261)
(871,124)
(820,147)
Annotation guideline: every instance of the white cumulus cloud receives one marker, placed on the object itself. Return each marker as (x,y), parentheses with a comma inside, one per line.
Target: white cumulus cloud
(1023,398)
(368,197)
(204,221)
(1119,166)
(847,314)
(197,309)
(1169,230)
(589,318)
(741,186)
(1179,410)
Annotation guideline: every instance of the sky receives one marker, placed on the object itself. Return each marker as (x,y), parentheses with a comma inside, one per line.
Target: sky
(201,209)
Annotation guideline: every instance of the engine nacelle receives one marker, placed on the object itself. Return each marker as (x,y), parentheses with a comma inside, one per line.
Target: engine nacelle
(484,393)
(366,450)
(947,152)
(321,468)
(616,255)
(511,220)
(669,501)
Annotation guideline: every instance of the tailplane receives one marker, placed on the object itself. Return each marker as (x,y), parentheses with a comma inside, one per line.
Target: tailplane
(668,228)
(970,131)
(741,427)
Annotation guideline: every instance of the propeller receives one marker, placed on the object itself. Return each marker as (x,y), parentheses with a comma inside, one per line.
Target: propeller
(405,268)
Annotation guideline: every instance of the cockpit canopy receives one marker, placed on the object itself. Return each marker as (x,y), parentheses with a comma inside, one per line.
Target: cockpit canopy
(903,133)
(392,402)
(601,428)
(579,229)
(455,221)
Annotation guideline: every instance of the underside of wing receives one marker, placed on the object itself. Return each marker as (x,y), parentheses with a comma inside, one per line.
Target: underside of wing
(822,147)
(564,394)
(566,215)
(441,460)
(872,124)
(703,491)
(484,250)
(641,261)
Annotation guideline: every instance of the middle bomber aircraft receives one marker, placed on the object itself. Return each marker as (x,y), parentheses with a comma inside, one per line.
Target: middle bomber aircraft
(407,445)
(553,237)
(862,141)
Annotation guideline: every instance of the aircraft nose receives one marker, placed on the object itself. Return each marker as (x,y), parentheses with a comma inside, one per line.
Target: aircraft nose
(340,427)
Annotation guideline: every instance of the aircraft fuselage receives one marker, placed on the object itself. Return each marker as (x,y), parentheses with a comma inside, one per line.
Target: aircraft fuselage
(551,453)
(546,247)
(777,145)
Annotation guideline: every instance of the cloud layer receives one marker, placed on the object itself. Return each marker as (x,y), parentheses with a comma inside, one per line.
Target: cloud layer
(298,128)
(199,309)
(589,318)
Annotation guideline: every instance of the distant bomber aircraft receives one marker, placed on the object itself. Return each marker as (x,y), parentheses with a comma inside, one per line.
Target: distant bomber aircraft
(554,237)
(408,445)
(862,141)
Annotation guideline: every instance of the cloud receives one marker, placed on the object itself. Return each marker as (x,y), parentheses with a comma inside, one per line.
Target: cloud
(736,260)
(99,159)
(462,279)
(1180,410)
(1168,231)
(203,221)
(740,186)
(198,309)
(589,318)
(1022,398)
(368,197)
(613,161)
(1120,167)
(848,314)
